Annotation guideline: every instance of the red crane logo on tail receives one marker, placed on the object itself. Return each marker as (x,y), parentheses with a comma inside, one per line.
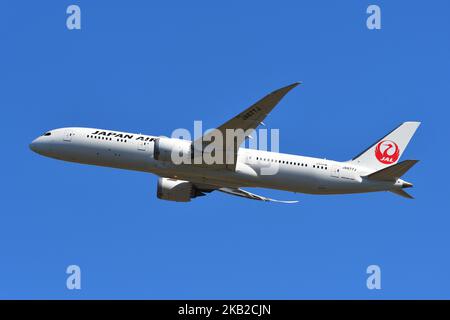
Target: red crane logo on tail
(387,152)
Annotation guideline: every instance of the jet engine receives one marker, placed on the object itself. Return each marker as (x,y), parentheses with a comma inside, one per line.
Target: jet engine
(173,150)
(176,190)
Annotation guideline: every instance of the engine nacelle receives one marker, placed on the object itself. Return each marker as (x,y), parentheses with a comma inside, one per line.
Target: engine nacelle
(176,190)
(172,150)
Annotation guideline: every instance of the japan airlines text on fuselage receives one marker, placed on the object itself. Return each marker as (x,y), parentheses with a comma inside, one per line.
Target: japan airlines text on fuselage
(375,169)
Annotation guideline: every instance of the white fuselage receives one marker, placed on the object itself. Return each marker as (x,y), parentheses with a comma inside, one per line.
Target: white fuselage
(254,168)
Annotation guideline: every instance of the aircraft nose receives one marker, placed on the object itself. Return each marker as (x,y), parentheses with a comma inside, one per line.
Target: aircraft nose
(36,145)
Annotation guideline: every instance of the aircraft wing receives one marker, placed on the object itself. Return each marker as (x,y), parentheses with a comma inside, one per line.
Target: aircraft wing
(249,119)
(245,194)
(234,191)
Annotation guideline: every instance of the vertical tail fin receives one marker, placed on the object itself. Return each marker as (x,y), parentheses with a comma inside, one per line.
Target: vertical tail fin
(388,150)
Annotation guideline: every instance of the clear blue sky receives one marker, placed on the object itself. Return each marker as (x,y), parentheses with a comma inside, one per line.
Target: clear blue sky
(140,66)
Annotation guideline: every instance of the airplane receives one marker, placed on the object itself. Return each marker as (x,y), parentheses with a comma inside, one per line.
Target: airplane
(375,169)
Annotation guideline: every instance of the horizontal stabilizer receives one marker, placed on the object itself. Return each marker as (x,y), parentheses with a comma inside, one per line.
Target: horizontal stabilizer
(402,193)
(393,172)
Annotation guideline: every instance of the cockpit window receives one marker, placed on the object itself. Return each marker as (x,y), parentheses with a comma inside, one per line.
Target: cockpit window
(47,134)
